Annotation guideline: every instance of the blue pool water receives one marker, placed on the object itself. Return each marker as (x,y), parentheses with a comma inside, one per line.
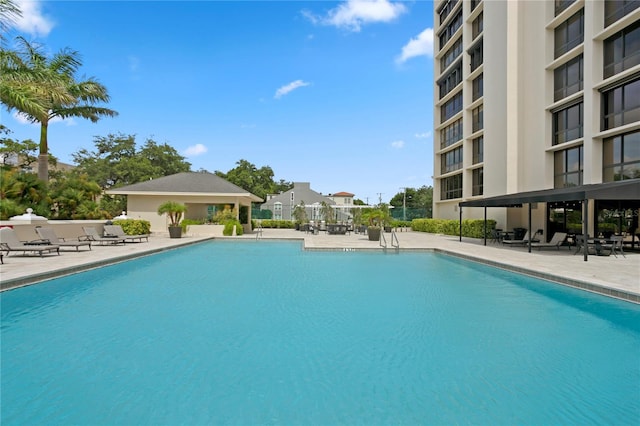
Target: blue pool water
(264,333)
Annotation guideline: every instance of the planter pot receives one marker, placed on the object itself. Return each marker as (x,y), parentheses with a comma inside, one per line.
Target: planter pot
(175,232)
(374,234)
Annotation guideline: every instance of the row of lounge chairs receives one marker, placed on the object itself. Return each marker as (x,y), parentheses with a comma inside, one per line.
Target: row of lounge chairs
(49,242)
(556,241)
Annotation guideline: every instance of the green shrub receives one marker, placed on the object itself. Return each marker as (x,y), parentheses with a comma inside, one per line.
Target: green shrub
(222,216)
(228,228)
(472,228)
(134,226)
(401,223)
(276,223)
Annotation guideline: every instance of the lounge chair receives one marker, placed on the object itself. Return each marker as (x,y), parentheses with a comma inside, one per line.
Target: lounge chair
(119,232)
(91,234)
(523,241)
(9,242)
(48,234)
(556,241)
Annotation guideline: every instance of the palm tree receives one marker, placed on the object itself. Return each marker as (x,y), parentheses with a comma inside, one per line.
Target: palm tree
(43,89)
(9,12)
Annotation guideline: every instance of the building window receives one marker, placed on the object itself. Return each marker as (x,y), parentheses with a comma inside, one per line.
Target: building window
(451,134)
(568,168)
(451,107)
(474,4)
(477,120)
(478,87)
(446,8)
(451,160)
(621,157)
(451,54)
(478,150)
(277,210)
(567,124)
(561,5)
(476,55)
(448,32)
(476,26)
(476,187)
(451,187)
(568,78)
(451,80)
(569,34)
(621,105)
(616,9)
(622,50)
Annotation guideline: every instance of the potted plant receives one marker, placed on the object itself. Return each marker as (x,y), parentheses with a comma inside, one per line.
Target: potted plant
(300,216)
(174,211)
(374,219)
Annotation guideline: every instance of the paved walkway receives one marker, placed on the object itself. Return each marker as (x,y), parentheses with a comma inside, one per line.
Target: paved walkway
(614,276)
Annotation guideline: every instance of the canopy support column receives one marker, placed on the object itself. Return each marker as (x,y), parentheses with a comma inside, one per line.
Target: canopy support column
(585,227)
(484,229)
(529,242)
(460,207)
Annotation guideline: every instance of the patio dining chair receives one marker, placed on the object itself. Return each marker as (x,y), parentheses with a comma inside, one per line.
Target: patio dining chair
(615,245)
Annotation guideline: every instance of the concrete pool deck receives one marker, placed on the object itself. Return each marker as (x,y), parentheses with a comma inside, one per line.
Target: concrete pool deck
(617,277)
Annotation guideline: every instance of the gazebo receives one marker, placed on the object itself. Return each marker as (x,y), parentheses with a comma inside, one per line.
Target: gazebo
(203,193)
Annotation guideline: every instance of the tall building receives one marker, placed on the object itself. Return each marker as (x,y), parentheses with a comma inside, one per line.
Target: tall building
(533,95)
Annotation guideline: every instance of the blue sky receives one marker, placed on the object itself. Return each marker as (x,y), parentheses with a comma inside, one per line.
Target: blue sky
(338,94)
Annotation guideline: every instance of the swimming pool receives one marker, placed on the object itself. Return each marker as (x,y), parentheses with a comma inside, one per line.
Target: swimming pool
(265,333)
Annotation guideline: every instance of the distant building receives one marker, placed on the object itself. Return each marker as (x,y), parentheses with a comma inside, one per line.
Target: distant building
(282,205)
(344,204)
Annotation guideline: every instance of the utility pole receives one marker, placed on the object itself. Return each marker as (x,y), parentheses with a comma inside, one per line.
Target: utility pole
(404,204)
(379,197)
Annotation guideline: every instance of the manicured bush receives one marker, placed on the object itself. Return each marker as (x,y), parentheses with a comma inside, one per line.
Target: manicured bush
(228,228)
(134,226)
(275,223)
(472,228)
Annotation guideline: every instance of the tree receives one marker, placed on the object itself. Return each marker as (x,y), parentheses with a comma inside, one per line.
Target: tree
(24,153)
(116,162)
(257,181)
(19,191)
(9,12)
(417,201)
(51,85)
(74,196)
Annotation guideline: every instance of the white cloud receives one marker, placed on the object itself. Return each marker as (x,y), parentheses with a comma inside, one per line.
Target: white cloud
(424,135)
(195,150)
(418,46)
(352,14)
(33,21)
(289,88)
(397,144)
(134,63)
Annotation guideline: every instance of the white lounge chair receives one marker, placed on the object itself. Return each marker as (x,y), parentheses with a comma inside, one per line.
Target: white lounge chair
(556,241)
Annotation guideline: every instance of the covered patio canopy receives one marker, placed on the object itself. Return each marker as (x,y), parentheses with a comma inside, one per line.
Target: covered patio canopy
(628,190)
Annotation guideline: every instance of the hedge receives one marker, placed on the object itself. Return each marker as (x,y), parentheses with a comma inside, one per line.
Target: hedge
(472,228)
(275,223)
(134,226)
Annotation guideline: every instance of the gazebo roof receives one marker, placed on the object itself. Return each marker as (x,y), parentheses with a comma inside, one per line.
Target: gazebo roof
(188,183)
